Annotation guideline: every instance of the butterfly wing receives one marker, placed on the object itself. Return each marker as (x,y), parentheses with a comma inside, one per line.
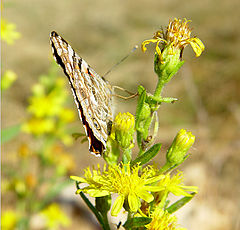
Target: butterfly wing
(92,94)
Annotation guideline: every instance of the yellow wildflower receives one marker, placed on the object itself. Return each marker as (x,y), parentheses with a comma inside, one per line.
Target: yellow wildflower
(8,32)
(9,220)
(123,180)
(8,78)
(162,220)
(38,126)
(174,185)
(176,37)
(55,217)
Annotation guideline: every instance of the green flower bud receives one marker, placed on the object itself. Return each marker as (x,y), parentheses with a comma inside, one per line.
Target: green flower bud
(103,204)
(123,129)
(168,64)
(176,154)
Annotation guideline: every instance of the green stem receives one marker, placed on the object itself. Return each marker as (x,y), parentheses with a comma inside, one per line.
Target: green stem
(127,156)
(166,167)
(105,220)
(102,220)
(158,89)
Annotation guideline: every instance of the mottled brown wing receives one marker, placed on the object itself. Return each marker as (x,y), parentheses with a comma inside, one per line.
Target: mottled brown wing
(92,94)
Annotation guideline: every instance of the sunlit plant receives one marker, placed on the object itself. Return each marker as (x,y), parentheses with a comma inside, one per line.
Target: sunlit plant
(37,177)
(142,189)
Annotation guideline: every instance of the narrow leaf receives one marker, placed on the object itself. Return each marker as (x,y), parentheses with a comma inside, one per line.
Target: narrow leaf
(78,135)
(9,133)
(148,155)
(180,203)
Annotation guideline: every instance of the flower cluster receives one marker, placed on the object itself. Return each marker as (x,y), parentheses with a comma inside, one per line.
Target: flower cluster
(46,106)
(141,189)
(123,180)
(162,220)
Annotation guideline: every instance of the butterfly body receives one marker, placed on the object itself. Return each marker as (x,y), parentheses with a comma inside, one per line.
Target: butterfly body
(92,93)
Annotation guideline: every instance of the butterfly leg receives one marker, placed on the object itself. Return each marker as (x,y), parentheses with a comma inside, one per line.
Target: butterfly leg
(132,95)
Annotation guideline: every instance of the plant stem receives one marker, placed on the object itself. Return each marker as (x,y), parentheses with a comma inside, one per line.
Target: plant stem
(158,89)
(127,156)
(101,219)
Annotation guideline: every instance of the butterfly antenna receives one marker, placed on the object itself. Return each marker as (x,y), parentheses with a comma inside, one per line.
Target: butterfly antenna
(123,59)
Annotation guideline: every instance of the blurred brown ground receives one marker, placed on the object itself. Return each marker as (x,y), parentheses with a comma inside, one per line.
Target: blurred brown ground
(102,32)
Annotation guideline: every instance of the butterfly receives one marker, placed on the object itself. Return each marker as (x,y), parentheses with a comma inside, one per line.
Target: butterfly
(92,93)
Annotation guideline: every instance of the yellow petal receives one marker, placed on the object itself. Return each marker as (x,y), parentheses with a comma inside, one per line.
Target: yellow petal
(154,179)
(78,179)
(154,188)
(146,42)
(133,202)
(197,46)
(117,205)
(96,192)
(158,49)
(148,197)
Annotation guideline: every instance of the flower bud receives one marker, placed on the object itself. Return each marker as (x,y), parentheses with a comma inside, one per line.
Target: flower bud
(176,154)
(123,129)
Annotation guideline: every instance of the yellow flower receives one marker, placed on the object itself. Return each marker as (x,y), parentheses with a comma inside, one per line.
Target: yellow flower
(123,180)
(162,220)
(49,105)
(8,32)
(9,220)
(174,185)
(30,180)
(67,115)
(176,37)
(8,78)
(38,126)
(24,151)
(55,217)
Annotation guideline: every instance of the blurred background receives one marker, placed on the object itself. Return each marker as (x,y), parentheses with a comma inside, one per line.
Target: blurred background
(39,114)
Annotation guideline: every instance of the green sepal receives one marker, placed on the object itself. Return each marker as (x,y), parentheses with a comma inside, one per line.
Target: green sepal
(103,204)
(9,133)
(148,155)
(167,67)
(180,203)
(137,222)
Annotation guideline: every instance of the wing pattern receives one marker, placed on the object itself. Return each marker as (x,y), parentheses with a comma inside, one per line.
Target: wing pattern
(92,94)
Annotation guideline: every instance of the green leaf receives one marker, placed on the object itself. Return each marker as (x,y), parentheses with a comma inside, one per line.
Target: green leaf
(137,222)
(84,140)
(148,155)
(180,203)
(78,135)
(9,133)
